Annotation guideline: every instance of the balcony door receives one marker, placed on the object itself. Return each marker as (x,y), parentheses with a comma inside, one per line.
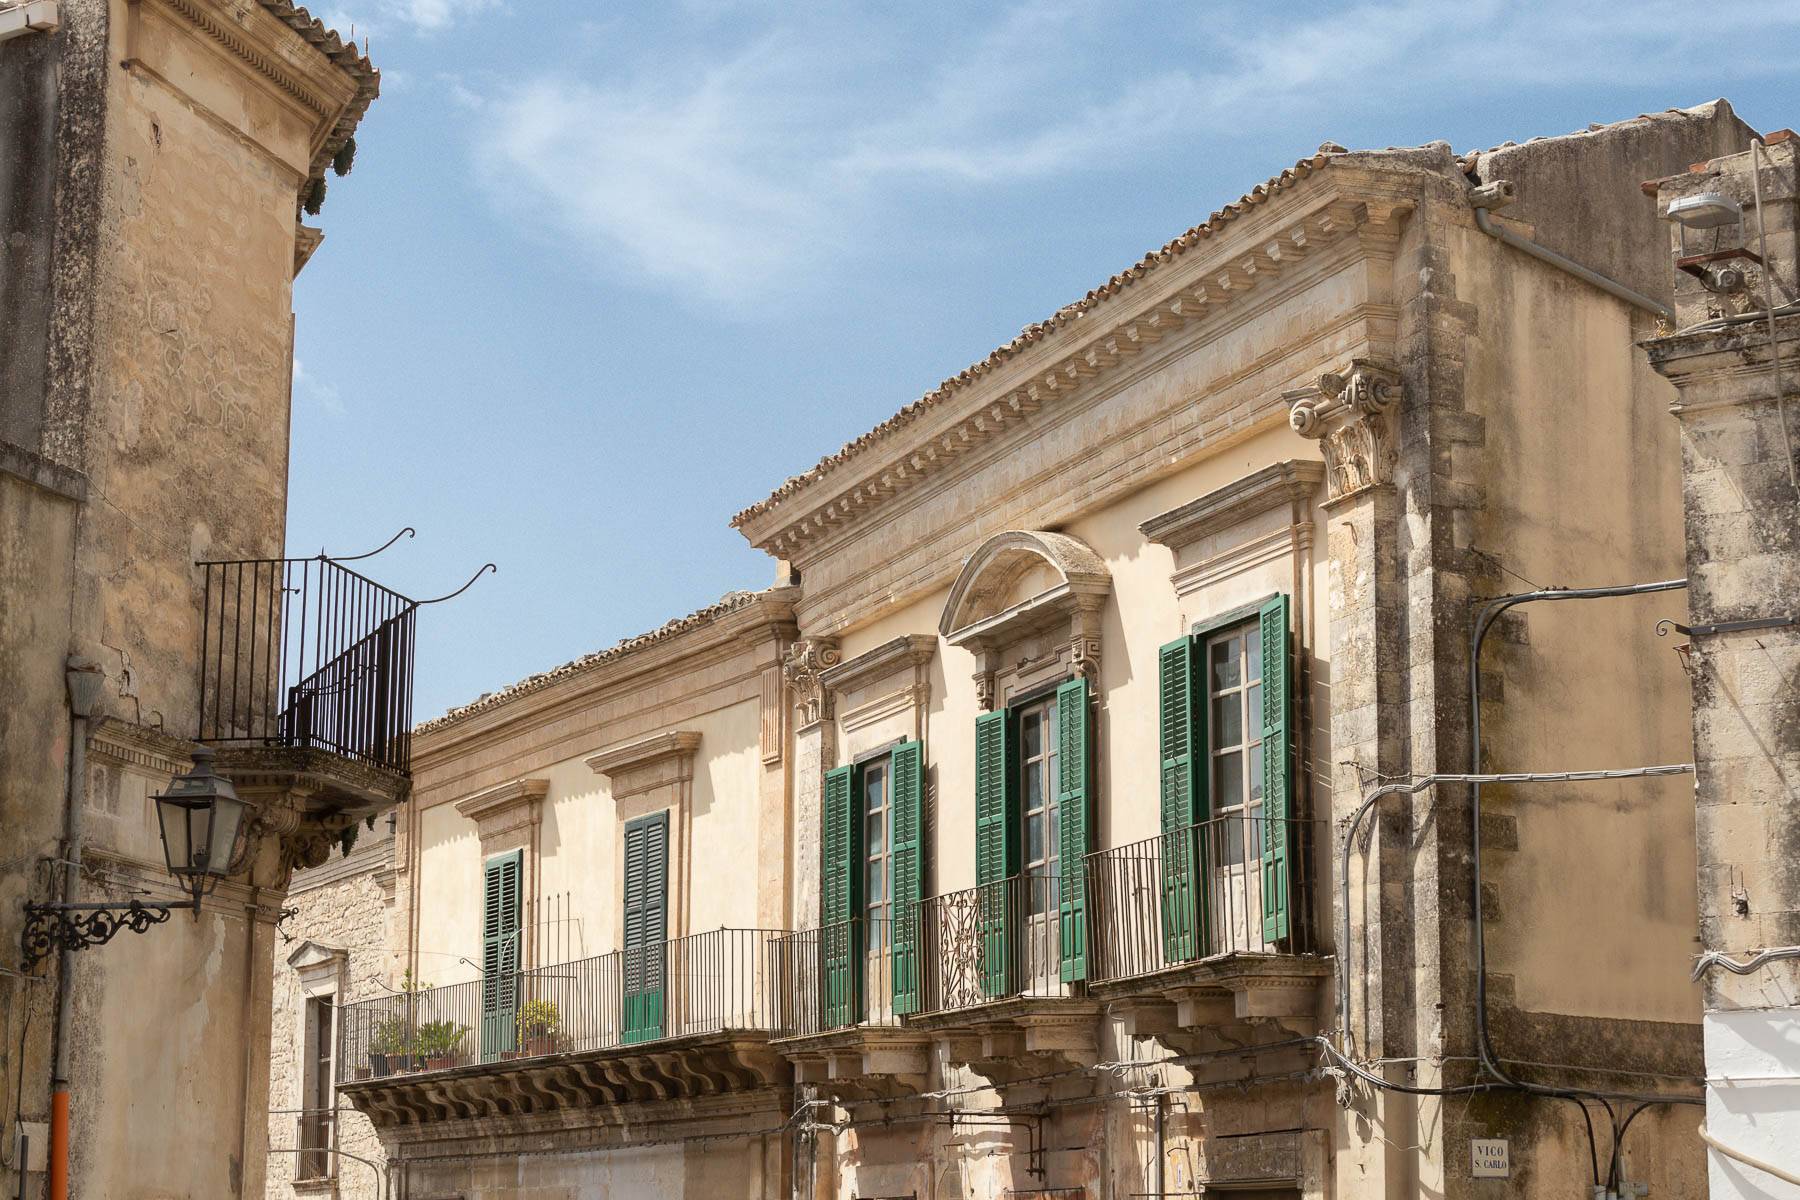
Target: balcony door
(1040,823)
(643,960)
(1234,700)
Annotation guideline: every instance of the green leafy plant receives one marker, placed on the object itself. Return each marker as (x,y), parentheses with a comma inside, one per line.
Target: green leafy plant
(390,1036)
(440,1039)
(538,1019)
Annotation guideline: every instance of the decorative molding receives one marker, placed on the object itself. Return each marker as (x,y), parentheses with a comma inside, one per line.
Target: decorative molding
(306,240)
(500,810)
(1350,415)
(1293,482)
(1072,604)
(317,963)
(651,762)
(909,650)
(142,746)
(1040,380)
(807,662)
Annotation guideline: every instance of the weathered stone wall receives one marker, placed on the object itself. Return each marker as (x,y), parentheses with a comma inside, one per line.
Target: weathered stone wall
(344,906)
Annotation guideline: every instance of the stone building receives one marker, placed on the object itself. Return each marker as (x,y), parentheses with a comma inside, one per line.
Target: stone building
(154,157)
(1028,838)
(1735,360)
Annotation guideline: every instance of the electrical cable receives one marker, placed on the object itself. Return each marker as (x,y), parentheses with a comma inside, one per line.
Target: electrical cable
(1767,1168)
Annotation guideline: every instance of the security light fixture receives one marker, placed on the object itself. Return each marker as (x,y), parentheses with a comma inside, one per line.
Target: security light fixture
(1708,210)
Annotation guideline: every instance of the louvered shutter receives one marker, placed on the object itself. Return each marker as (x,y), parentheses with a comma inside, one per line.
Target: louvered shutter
(1182,749)
(907,866)
(996,846)
(500,954)
(646,926)
(839,875)
(1277,767)
(1074,735)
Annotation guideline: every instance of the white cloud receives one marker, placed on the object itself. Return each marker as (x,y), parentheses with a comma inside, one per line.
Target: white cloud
(736,175)
(381,18)
(311,390)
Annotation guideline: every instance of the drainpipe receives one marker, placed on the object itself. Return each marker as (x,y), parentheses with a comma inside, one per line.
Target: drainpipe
(1162,1102)
(1499,194)
(83,678)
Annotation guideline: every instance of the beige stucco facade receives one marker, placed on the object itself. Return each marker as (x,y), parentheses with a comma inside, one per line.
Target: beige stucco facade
(155,158)
(1331,420)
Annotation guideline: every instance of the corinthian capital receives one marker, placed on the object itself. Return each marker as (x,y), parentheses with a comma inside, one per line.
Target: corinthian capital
(807,659)
(1351,415)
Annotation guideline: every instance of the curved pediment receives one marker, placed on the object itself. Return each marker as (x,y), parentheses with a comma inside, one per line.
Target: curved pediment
(1021,576)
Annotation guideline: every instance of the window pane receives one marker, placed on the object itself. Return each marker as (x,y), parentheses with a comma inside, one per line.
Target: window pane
(1253,705)
(1034,787)
(875,833)
(1253,654)
(1228,781)
(1234,840)
(1227,722)
(874,881)
(1031,734)
(1225,665)
(1034,838)
(1256,772)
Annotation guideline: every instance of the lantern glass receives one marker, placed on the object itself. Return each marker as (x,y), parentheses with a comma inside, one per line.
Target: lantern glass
(227,815)
(175,816)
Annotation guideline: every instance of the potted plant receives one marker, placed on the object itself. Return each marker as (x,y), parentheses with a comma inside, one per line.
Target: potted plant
(538,1021)
(388,1046)
(439,1042)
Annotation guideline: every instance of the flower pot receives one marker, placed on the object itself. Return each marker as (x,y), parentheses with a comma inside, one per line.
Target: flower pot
(536,1046)
(440,1062)
(509,1055)
(380,1064)
(364,1072)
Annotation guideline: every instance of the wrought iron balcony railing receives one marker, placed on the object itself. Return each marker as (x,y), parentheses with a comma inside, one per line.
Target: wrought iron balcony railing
(1199,892)
(306,652)
(844,975)
(717,982)
(996,941)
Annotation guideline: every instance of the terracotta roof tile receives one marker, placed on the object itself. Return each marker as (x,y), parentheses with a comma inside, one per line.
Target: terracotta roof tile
(348,60)
(1032,334)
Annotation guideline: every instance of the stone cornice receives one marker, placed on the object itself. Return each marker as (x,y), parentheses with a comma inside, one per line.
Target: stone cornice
(510,804)
(140,746)
(1728,367)
(1238,271)
(908,650)
(556,696)
(648,763)
(1290,482)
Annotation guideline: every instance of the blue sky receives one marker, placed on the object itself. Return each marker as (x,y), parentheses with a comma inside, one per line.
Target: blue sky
(604,274)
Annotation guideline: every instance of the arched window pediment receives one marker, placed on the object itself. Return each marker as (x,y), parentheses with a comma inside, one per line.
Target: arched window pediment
(1020,582)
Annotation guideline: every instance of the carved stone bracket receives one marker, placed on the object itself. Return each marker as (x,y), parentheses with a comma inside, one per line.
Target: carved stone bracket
(809,659)
(1351,415)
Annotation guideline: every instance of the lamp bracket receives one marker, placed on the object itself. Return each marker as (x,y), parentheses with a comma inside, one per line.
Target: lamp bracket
(51,927)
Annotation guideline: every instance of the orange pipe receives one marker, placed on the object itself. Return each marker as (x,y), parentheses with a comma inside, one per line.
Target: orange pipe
(59,1144)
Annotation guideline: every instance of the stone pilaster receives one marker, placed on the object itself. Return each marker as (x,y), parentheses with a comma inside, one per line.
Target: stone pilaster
(815,752)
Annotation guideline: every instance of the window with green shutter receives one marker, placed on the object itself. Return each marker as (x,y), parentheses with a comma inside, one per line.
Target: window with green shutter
(1226,750)
(840,947)
(996,846)
(906,864)
(1182,749)
(645,947)
(1277,763)
(500,954)
(1075,745)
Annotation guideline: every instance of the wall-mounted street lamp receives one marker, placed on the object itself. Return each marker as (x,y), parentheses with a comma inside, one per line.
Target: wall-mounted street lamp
(201,818)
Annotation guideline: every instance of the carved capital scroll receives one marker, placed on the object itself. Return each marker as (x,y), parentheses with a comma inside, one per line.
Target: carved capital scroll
(807,660)
(1351,415)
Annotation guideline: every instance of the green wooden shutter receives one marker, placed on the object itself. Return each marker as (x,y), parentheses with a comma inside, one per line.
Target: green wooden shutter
(840,874)
(1277,767)
(500,954)
(1182,749)
(1074,736)
(646,926)
(908,872)
(996,846)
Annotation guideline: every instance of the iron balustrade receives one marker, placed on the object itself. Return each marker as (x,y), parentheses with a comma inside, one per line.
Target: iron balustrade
(306,652)
(993,942)
(726,980)
(316,1141)
(837,976)
(1194,893)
